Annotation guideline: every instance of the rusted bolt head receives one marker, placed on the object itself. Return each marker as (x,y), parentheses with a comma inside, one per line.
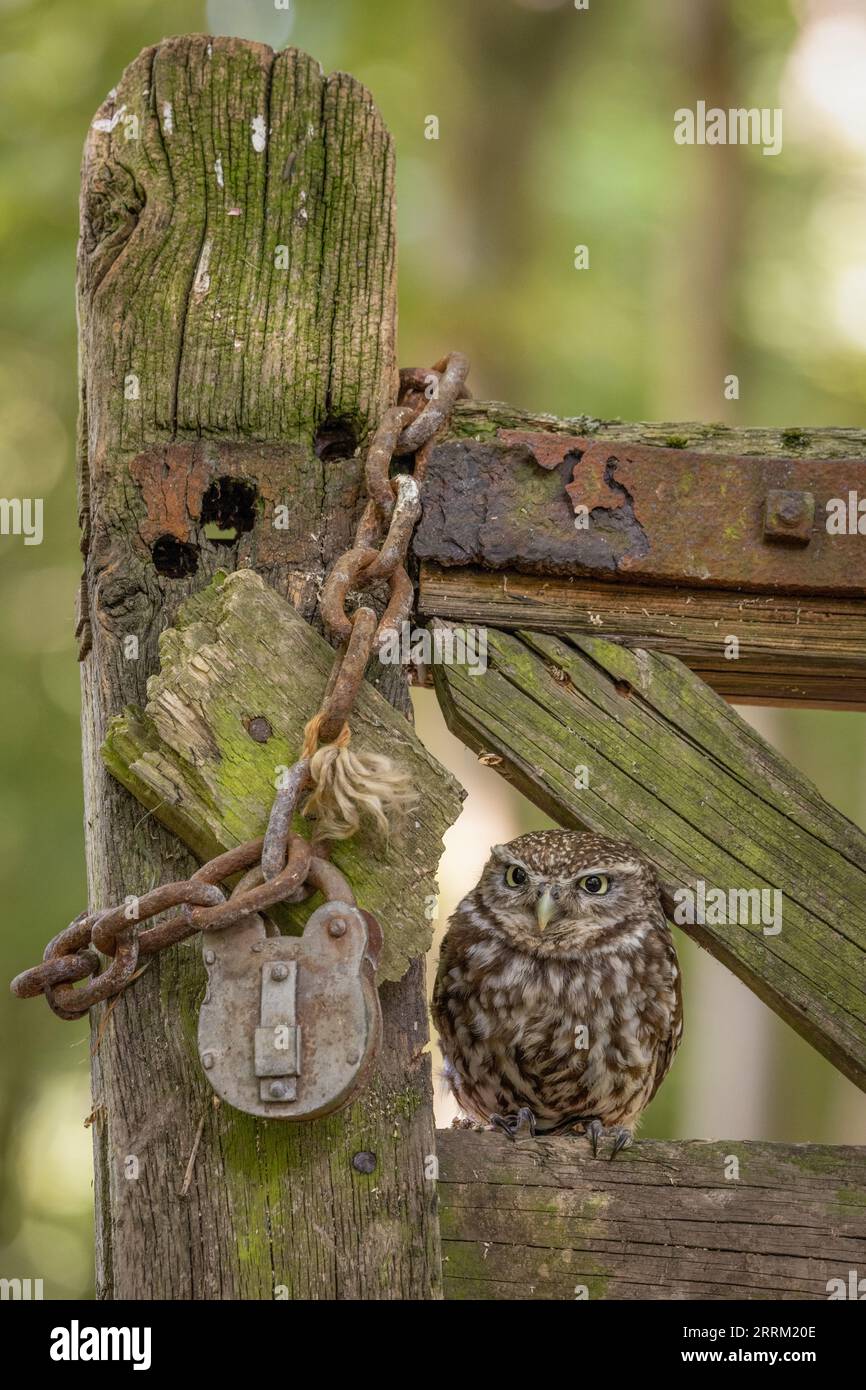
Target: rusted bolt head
(279,971)
(789,515)
(337,927)
(207,1060)
(364,1162)
(279,1090)
(259,729)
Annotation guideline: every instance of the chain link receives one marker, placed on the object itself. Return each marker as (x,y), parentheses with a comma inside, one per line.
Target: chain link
(283,866)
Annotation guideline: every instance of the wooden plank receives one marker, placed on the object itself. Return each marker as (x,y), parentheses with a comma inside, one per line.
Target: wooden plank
(483,420)
(793,650)
(672,768)
(190,760)
(236,295)
(543,1219)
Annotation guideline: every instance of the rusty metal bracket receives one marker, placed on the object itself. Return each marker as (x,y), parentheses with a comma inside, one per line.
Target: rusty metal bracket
(555,504)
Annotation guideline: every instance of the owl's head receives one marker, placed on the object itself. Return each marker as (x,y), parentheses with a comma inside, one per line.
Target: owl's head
(555,892)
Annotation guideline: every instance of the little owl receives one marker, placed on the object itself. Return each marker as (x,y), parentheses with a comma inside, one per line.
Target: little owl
(558,993)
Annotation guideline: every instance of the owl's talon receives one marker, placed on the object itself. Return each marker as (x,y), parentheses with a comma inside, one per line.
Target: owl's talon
(623,1139)
(594,1130)
(525,1126)
(517,1126)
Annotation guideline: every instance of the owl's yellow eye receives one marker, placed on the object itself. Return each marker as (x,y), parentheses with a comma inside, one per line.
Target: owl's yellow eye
(596,884)
(515,877)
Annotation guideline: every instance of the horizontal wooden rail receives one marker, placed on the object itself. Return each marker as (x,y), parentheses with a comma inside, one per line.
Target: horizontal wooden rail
(543,1219)
(674,555)
(792,650)
(485,419)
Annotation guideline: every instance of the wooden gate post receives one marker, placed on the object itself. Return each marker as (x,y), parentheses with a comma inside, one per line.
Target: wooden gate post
(237,318)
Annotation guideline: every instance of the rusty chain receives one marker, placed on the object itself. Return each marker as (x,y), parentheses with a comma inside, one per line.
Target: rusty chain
(282,866)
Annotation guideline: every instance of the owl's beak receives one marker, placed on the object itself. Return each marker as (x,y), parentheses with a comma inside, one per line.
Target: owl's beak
(545,908)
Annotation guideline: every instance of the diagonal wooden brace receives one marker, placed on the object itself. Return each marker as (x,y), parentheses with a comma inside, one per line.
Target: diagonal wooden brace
(633,744)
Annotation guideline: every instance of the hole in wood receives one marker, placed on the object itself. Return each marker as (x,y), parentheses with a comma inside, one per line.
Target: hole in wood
(227,509)
(335,439)
(173,558)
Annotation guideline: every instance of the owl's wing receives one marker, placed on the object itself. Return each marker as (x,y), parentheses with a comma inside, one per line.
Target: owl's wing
(437,1004)
(667,1048)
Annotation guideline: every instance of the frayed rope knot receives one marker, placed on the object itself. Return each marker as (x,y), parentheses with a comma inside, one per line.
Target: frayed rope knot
(348,785)
(311,736)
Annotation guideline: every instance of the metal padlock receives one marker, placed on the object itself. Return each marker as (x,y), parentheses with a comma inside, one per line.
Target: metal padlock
(290,1025)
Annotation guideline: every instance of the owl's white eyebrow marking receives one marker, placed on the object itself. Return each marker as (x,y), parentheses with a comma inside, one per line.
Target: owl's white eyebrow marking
(507,859)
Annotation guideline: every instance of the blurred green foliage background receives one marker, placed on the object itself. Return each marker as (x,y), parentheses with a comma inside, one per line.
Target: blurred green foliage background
(555,129)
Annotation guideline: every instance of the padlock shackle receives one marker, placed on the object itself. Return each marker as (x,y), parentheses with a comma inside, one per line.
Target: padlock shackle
(334,886)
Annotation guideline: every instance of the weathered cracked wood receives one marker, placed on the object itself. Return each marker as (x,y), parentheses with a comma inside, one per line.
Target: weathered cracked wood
(483,420)
(672,768)
(793,650)
(236,295)
(190,759)
(498,540)
(543,1219)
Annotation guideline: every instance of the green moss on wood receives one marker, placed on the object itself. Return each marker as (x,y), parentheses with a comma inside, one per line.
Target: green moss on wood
(190,759)
(483,419)
(540,1218)
(794,438)
(179,285)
